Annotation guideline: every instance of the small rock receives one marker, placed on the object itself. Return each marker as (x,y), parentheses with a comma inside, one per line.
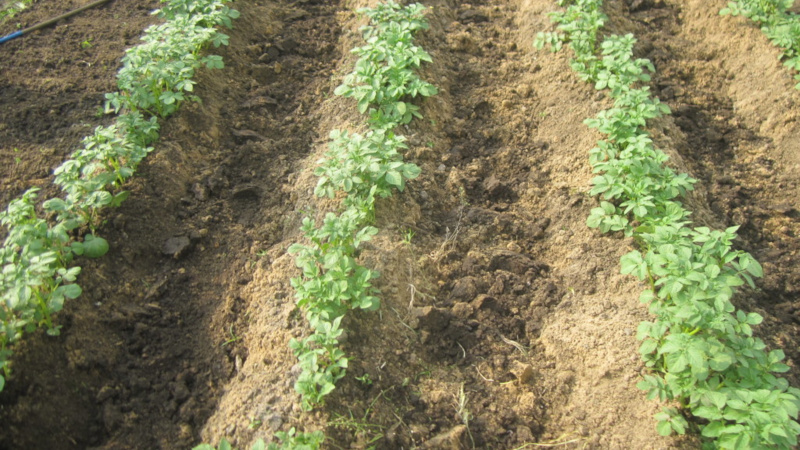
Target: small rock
(156,290)
(641,5)
(463,310)
(295,14)
(119,221)
(246,192)
(186,431)
(248,134)
(179,391)
(139,384)
(259,101)
(512,262)
(524,434)
(176,246)
(271,54)
(498,287)
(288,45)
(785,209)
(486,302)
(494,187)
(265,73)
(514,247)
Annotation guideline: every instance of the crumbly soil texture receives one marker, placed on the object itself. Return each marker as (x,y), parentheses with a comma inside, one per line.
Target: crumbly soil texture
(505,322)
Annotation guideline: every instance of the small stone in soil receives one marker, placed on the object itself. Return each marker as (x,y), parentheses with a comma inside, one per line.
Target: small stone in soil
(176,246)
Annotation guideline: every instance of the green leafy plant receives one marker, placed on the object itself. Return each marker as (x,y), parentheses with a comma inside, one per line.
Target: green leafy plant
(700,349)
(365,379)
(385,71)
(156,77)
(356,164)
(225,445)
(292,440)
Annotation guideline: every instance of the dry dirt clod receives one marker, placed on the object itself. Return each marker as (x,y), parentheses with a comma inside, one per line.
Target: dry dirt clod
(430,319)
(455,438)
(523,372)
(176,246)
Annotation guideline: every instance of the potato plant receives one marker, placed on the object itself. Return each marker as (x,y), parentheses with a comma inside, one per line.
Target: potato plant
(157,75)
(357,168)
(385,71)
(37,273)
(780,25)
(700,349)
(364,167)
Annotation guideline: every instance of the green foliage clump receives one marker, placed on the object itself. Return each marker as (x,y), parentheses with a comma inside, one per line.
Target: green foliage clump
(156,76)
(700,348)
(364,166)
(385,72)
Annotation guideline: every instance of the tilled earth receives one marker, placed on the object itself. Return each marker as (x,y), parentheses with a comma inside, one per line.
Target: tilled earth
(505,321)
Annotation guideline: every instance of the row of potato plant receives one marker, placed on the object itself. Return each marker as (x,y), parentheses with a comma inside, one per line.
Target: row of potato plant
(780,25)
(700,349)
(37,271)
(359,168)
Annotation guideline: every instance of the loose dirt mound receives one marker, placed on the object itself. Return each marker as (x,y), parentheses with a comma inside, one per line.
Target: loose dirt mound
(504,319)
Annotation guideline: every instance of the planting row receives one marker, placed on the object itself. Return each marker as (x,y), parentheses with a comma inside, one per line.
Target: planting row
(700,349)
(358,169)
(37,271)
(780,25)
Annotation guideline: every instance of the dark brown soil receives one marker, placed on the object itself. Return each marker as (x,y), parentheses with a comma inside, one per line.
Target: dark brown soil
(505,321)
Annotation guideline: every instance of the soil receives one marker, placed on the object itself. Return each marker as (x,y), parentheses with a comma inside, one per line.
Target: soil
(504,323)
